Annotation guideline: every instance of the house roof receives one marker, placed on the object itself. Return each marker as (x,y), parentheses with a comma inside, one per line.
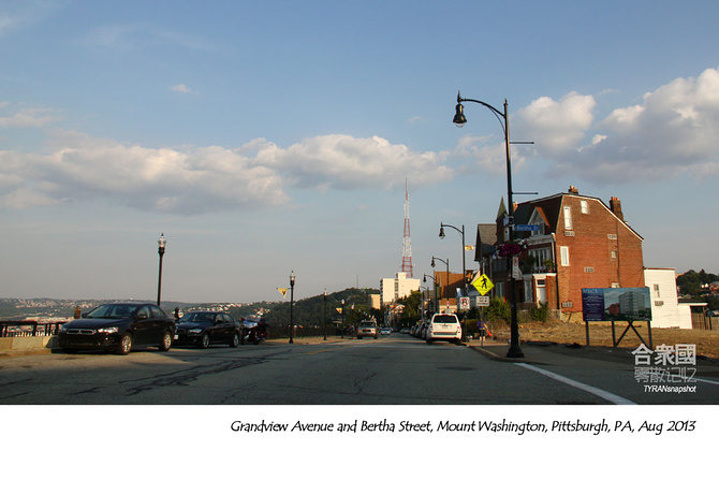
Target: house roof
(486,239)
(550,208)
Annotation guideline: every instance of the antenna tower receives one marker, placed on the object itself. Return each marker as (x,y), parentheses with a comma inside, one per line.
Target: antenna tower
(406,240)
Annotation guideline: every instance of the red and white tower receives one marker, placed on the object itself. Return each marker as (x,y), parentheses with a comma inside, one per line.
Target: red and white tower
(406,240)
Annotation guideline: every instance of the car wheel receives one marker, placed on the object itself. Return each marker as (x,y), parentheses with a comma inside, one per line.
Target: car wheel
(235,340)
(69,350)
(166,342)
(205,341)
(125,346)
(429,341)
(359,337)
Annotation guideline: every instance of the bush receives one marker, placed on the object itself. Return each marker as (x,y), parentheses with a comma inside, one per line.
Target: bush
(539,313)
(499,309)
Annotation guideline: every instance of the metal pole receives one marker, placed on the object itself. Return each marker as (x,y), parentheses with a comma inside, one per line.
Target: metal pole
(514,350)
(464,266)
(292,301)
(324,316)
(161,252)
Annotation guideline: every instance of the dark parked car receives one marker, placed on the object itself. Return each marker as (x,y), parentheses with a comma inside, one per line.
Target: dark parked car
(204,328)
(118,327)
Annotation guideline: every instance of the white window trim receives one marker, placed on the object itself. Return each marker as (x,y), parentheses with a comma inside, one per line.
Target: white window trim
(568,218)
(584,206)
(564,256)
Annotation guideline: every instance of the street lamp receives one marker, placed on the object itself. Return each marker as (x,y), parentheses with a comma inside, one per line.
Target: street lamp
(324,315)
(464,265)
(436,300)
(292,301)
(161,251)
(446,262)
(459,120)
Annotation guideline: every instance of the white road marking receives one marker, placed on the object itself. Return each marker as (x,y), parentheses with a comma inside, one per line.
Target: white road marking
(610,397)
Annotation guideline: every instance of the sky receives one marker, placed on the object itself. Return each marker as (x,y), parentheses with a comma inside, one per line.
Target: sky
(264,138)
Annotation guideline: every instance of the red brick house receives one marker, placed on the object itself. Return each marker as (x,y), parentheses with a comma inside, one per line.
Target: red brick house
(575,242)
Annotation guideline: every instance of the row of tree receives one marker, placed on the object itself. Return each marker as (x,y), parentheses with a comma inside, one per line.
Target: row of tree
(337,310)
(695,286)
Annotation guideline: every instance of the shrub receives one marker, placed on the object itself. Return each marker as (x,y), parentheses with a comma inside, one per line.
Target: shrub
(499,309)
(539,313)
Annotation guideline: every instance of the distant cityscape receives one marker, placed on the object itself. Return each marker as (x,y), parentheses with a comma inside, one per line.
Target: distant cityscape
(48,310)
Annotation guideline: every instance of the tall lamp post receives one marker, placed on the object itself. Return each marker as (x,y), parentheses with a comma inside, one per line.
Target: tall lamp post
(436,300)
(464,265)
(292,301)
(161,251)
(324,315)
(459,120)
(446,262)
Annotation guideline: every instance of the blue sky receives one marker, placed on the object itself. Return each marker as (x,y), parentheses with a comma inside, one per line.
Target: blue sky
(266,137)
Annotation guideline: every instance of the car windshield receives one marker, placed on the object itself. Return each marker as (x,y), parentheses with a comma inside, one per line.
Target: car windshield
(199,317)
(367,324)
(112,311)
(445,319)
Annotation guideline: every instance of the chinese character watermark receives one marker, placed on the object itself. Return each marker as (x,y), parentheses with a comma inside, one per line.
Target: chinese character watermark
(660,370)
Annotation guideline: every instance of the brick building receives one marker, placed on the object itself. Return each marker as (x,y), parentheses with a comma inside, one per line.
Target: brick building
(575,242)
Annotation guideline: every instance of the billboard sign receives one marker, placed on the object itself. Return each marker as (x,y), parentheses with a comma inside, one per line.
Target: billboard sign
(616,304)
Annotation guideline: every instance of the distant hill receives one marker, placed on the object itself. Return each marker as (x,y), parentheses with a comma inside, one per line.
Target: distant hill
(308,310)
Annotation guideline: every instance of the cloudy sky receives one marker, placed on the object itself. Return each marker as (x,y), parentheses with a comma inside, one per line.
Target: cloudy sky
(268,137)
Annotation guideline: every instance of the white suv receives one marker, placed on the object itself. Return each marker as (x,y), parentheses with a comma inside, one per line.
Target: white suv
(444,326)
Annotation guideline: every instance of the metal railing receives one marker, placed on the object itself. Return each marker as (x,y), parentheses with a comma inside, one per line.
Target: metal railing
(28,328)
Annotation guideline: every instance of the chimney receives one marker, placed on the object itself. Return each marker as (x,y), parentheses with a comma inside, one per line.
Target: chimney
(573,190)
(616,206)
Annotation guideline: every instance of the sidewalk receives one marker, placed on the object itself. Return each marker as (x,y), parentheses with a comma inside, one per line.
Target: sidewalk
(550,353)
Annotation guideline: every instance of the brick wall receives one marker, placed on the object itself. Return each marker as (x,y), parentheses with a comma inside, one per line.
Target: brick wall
(593,237)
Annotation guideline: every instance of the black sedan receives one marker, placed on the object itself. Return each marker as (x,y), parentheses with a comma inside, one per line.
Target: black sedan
(204,328)
(118,327)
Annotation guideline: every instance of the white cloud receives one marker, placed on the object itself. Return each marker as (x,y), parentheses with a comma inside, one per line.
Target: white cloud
(133,36)
(29,118)
(17,15)
(181,88)
(13,117)
(196,180)
(556,126)
(674,130)
(345,162)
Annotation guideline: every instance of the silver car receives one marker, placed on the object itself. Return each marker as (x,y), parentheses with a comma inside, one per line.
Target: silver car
(367,329)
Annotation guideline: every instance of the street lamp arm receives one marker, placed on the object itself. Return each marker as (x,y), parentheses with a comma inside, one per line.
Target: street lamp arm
(450,226)
(460,100)
(501,117)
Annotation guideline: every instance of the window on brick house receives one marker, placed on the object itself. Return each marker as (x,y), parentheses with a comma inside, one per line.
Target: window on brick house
(656,290)
(585,206)
(568,218)
(564,256)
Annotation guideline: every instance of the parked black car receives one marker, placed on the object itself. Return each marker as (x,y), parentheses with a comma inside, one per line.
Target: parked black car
(204,328)
(118,327)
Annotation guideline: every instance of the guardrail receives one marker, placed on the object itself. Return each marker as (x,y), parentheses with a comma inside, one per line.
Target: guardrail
(28,328)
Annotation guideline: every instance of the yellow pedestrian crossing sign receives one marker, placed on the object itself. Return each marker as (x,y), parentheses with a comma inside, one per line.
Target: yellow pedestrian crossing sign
(483,284)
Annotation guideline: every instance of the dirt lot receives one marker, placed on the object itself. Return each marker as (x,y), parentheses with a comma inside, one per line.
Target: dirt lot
(600,334)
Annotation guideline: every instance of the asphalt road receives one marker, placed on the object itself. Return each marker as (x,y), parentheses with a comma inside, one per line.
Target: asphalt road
(394,370)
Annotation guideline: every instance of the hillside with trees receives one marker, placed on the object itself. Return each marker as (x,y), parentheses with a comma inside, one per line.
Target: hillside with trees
(348,306)
(697,286)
